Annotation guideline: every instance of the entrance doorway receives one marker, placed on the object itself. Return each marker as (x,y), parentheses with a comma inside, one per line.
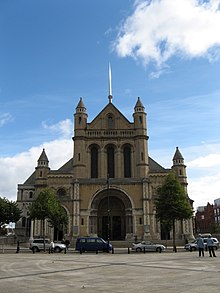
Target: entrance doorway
(111,219)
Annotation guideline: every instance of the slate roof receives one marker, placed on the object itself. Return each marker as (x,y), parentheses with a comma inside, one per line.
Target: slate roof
(30,180)
(154,167)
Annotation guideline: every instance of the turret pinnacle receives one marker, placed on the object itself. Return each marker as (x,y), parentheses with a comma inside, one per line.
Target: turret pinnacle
(43,160)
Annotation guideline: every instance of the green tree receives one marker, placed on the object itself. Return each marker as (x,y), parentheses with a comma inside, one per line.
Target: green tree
(47,207)
(9,211)
(172,203)
(58,219)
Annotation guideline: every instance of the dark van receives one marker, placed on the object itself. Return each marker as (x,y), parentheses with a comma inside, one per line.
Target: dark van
(92,244)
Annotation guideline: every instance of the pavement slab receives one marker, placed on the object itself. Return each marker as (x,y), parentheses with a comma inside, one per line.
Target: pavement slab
(105,272)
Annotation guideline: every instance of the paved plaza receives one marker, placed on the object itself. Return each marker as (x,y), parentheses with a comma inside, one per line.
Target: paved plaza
(119,272)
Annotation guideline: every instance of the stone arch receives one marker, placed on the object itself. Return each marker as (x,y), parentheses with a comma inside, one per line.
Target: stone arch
(111,215)
(60,232)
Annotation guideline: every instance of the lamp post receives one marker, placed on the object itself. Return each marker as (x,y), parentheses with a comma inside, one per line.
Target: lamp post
(108,210)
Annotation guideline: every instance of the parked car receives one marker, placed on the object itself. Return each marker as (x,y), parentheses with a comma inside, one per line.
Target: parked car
(148,246)
(37,245)
(92,244)
(192,246)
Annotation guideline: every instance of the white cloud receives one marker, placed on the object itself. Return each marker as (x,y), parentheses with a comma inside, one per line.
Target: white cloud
(5,118)
(16,169)
(208,161)
(64,128)
(204,189)
(158,29)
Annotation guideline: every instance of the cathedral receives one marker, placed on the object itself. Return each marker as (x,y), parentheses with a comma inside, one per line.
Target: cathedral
(108,187)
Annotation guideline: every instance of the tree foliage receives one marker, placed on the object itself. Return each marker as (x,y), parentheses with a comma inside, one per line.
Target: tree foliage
(9,211)
(47,206)
(172,203)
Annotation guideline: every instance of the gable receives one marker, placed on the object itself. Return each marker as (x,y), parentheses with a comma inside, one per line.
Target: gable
(110,118)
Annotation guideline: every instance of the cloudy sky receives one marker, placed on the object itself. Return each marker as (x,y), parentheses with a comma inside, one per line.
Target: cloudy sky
(52,52)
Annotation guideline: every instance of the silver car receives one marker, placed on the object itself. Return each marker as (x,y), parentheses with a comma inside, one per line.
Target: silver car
(192,246)
(148,246)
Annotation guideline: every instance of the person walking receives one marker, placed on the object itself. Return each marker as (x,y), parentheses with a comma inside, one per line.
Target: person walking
(210,244)
(200,245)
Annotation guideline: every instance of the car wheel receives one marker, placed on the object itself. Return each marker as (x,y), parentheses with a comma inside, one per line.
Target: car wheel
(193,248)
(35,249)
(138,249)
(57,249)
(158,249)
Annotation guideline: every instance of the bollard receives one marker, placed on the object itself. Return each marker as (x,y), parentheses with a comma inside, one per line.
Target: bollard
(65,251)
(80,251)
(96,251)
(49,250)
(18,247)
(128,250)
(113,251)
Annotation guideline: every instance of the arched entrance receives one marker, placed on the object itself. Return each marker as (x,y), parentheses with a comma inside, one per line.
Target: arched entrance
(111,215)
(60,230)
(111,219)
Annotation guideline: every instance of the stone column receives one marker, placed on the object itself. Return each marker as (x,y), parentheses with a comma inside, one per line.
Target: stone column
(76,209)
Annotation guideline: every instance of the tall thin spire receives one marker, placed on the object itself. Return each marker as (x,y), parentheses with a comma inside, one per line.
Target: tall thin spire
(110,83)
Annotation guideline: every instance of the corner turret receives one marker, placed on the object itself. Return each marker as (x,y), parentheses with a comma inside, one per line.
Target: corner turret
(179,167)
(42,169)
(141,140)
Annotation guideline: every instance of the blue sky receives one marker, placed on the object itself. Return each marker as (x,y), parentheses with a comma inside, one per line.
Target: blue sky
(52,52)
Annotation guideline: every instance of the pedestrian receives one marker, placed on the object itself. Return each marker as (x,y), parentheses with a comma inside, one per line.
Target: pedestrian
(210,244)
(52,246)
(200,245)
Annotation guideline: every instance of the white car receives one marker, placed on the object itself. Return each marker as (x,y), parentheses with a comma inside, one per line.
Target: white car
(37,245)
(148,246)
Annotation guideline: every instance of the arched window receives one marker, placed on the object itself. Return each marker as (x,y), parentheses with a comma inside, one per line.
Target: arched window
(94,162)
(111,161)
(127,162)
(80,120)
(61,192)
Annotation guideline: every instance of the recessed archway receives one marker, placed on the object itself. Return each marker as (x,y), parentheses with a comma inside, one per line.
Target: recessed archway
(111,215)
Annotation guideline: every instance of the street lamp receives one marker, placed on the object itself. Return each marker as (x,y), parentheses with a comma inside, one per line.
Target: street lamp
(108,211)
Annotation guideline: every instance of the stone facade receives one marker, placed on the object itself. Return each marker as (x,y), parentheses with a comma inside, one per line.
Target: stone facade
(109,186)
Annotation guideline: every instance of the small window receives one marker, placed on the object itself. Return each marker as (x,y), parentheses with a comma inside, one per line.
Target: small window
(140,221)
(80,120)
(140,119)
(110,121)
(78,156)
(31,194)
(82,221)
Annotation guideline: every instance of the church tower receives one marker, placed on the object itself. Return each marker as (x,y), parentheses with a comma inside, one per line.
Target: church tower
(141,140)
(80,123)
